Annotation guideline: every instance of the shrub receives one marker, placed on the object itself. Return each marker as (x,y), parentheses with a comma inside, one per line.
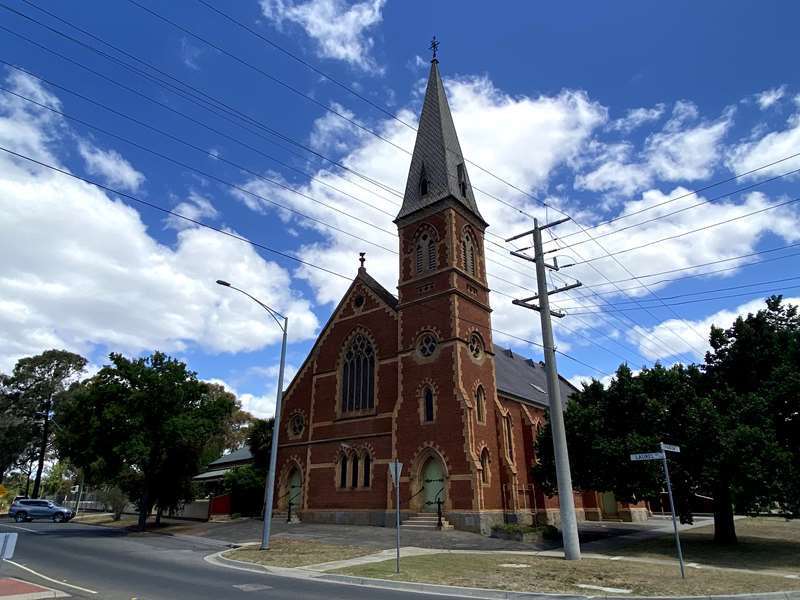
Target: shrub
(550,533)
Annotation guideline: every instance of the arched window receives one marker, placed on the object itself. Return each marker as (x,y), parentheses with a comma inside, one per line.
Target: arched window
(427,405)
(480,404)
(423,182)
(367,466)
(510,437)
(425,252)
(461,173)
(468,252)
(343,471)
(355,471)
(485,466)
(358,376)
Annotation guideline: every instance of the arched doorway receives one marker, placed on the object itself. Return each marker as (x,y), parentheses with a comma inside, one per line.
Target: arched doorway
(433,484)
(294,489)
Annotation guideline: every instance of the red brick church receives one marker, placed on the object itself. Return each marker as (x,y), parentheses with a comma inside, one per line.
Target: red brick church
(418,378)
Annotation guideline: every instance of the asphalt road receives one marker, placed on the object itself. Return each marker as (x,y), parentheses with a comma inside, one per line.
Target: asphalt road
(118,565)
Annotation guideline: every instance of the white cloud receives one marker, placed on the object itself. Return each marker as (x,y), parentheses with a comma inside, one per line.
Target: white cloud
(261,405)
(110,165)
(78,269)
(636,117)
(769,97)
(770,147)
(339,29)
(195,207)
(681,151)
(675,332)
(190,54)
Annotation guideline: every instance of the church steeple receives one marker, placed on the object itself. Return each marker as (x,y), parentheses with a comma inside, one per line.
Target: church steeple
(438,171)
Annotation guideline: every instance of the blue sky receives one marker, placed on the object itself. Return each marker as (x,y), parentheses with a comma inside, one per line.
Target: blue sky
(598,110)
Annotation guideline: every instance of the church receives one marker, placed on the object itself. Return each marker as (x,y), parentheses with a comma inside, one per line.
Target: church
(418,378)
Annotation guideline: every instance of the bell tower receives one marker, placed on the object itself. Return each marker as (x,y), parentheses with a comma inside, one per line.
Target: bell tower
(446,350)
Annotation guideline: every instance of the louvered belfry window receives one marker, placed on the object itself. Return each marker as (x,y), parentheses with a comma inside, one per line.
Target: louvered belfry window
(425,253)
(358,376)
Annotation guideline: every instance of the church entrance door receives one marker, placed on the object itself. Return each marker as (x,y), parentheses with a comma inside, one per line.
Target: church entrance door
(294,492)
(433,483)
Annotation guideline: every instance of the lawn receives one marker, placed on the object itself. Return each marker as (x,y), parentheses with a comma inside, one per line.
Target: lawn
(765,543)
(285,552)
(530,573)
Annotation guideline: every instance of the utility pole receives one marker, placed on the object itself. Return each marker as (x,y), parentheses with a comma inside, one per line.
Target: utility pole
(566,500)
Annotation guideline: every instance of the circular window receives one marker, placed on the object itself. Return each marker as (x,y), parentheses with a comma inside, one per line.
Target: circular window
(475,345)
(427,344)
(297,424)
(359,301)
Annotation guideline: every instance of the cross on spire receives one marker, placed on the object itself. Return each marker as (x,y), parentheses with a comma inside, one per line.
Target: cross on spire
(361,258)
(434,47)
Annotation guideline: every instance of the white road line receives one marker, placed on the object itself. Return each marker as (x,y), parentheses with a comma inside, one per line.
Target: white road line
(36,531)
(45,577)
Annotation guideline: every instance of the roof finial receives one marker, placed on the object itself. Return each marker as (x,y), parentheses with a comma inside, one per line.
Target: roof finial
(434,47)
(361,258)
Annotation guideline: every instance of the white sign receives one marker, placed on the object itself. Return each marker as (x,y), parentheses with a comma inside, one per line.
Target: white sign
(648,456)
(670,448)
(8,542)
(395,468)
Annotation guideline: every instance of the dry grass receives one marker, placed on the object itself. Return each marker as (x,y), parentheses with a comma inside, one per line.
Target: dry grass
(557,575)
(285,552)
(765,543)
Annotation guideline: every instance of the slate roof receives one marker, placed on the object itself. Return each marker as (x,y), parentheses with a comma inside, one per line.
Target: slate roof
(515,374)
(377,288)
(240,455)
(438,151)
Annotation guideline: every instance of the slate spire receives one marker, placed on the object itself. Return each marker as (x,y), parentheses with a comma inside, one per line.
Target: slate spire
(438,170)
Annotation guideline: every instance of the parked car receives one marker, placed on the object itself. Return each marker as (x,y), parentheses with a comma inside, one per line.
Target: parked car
(28,510)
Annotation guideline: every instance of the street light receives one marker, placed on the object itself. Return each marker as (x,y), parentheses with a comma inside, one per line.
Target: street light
(276,426)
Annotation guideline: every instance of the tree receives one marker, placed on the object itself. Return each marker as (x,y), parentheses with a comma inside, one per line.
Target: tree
(40,381)
(143,424)
(736,418)
(260,442)
(245,484)
(17,425)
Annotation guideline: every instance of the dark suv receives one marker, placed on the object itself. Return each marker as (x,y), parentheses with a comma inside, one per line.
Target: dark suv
(28,510)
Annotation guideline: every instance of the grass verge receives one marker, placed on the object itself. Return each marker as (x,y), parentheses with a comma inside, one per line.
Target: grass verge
(765,543)
(542,574)
(285,552)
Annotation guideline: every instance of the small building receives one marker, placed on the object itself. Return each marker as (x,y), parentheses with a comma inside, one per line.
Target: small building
(212,477)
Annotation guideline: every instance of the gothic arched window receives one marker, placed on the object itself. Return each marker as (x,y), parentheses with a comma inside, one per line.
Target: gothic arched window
(461,173)
(367,466)
(425,252)
(428,411)
(423,182)
(468,252)
(480,404)
(343,471)
(485,465)
(358,376)
(355,471)
(510,437)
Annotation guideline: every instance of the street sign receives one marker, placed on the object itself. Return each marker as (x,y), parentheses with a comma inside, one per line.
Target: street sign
(395,468)
(670,447)
(8,542)
(648,456)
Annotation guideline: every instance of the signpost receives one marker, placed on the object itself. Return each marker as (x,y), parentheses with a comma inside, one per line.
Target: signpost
(662,456)
(395,468)
(8,542)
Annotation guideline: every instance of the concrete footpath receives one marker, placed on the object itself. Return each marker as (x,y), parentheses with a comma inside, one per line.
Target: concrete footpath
(16,589)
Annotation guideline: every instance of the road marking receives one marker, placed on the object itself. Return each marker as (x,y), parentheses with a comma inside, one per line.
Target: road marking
(252,587)
(45,577)
(36,531)
(603,589)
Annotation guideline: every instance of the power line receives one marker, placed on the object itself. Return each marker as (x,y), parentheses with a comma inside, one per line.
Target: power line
(682,234)
(699,293)
(767,291)
(251,242)
(292,141)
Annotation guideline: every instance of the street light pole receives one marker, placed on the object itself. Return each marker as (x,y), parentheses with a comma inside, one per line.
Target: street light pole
(276,426)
